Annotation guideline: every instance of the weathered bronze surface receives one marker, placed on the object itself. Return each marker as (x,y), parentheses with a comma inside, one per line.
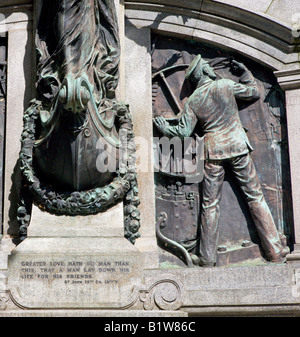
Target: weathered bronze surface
(3,60)
(265,120)
(78,152)
(77,77)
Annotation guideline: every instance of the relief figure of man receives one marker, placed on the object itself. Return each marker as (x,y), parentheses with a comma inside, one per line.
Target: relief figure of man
(213,105)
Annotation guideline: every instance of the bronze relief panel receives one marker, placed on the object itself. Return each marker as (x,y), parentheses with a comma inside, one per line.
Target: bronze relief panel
(264,123)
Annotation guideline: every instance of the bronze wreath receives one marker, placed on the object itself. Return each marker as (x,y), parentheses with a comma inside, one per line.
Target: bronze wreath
(93,201)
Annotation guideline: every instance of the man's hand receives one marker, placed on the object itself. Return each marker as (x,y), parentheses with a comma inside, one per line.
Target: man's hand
(160,123)
(238,67)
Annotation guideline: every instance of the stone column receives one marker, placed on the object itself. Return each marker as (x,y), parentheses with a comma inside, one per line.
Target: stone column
(17,23)
(20,81)
(289,81)
(138,94)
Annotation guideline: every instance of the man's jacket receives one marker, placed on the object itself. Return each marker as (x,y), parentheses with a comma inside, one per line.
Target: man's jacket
(213,104)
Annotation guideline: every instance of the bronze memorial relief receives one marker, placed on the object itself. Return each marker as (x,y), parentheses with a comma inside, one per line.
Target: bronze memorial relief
(152,170)
(221,153)
(238,211)
(78,151)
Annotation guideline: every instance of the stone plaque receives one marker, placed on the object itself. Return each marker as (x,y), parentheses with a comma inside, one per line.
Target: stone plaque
(57,273)
(75,262)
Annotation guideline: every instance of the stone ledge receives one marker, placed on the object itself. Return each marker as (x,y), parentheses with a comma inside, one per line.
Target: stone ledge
(8,3)
(92,313)
(249,311)
(238,289)
(106,224)
(288,79)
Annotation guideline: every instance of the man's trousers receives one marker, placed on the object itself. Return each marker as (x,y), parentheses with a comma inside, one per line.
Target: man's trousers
(244,171)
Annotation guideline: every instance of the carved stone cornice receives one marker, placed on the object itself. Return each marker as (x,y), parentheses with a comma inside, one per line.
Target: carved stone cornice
(288,79)
(8,3)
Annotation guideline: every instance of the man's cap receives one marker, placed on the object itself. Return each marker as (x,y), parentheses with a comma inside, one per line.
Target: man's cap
(198,59)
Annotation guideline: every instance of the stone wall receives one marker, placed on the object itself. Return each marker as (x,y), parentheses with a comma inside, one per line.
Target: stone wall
(264,31)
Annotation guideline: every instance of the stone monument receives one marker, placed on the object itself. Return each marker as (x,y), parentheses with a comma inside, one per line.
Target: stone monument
(200,92)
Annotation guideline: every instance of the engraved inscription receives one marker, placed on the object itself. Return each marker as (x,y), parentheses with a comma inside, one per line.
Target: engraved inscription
(76,272)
